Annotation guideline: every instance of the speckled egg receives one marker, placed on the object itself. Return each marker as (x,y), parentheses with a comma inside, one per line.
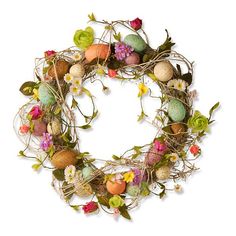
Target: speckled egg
(176,110)
(87,172)
(116,187)
(77,70)
(39,127)
(133,190)
(84,190)
(163,173)
(101,51)
(163,71)
(136,42)
(132,59)
(152,156)
(61,68)
(54,127)
(45,95)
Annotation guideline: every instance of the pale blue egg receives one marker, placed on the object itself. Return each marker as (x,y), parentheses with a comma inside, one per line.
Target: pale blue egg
(176,110)
(136,42)
(45,95)
(87,172)
(133,190)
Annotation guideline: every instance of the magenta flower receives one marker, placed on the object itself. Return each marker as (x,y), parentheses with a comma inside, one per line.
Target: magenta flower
(136,24)
(35,112)
(160,146)
(49,53)
(122,51)
(46,141)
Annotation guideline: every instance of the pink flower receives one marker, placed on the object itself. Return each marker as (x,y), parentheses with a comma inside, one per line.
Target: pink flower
(116,213)
(24,129)
(35,112)
(160,146)
(49,53)
(195,149)
(112,73)
(122,51)
(90,207)
(136,24)
(46,142)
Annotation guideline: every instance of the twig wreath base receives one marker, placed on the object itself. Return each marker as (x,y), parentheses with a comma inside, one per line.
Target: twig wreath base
(48,123)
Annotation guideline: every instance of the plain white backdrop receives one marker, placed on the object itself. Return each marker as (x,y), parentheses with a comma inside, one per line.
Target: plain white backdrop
(204,33)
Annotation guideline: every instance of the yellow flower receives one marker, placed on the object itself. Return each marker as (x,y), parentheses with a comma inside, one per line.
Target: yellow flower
(173,157)
(36,94)
(128,176)
(100,70)
(142,89)
(68,78)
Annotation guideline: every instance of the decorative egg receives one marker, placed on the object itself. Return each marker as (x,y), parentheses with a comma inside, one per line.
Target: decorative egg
(132,59)
(178,129)
(115,187)
(136,42)
(83,190)
(133,190)
(163,71)
(64,158)
(45,95)
(62,68)
(87,172)
(54,127)
(101,51)
(176,110)
(39,127)
(163,173)
(77,70)
(152,156)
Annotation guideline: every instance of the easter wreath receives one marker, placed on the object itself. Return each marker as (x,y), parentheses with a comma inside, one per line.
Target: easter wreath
(48,126)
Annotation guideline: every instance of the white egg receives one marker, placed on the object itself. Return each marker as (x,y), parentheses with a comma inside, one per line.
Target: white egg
(163,173)
(77,70)
(163,71)
(54,127)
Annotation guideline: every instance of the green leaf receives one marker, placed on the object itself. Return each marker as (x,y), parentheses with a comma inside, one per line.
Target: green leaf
(74,103)
(214,108)
(85,126)
(27,88)
(36,167)
(152,76)
(87,92)
(103,200)
(141,116)
(21,154)
(116,157)
(117,36)
(81,155)
(167,45)
(91,17)
(162,193)
(124,212)
(89,160)
(187,77)
(75,207)
(59,174)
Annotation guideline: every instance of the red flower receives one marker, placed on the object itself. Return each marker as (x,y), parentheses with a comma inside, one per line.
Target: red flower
(24,129)
(90,207)
(136,24)
(195,149)
(35,113)
(112,73)
(49,53)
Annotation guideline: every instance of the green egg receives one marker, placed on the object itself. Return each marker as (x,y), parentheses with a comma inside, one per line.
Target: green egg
(136,42)
(133,190)
(45,95)
(176,110)
(87,172)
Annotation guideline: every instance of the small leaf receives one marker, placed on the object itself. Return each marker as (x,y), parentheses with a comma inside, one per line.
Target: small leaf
(74,103)
(103,200)
(141,116)
(27,88)
(21,154)
(124,212)
(187,77)
(75,207)
(91,17)
(116,157)
(167,45)
(81,155)
(85,126)
(162,193)
(87,92)
(152,76)
(214,108)
(36,167)
(117,36)
(59,174)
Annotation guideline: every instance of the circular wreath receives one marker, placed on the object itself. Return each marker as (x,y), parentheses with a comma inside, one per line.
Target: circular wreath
(48,126)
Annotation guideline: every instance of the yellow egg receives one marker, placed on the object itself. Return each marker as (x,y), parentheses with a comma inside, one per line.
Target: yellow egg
(163,173)
(54,127)
(163,71)
(77,70)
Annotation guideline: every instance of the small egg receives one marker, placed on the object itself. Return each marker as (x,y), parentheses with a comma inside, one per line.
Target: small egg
(83,190)
(163,71)
(178,129)
(45,95)
(101,51)
(163,173)
(77,70)
(136,42)
(152,156)
(176,110)
(54,127)
(132,59)
(133,190)
(87,172)
(62,67)
(39,128)
(115,187)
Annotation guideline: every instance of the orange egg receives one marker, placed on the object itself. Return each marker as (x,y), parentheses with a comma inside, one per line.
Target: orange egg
(101,51)
(116,187)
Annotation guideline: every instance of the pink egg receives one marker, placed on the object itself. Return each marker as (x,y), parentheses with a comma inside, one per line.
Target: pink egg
(39,128)
(132,59)
(152,157)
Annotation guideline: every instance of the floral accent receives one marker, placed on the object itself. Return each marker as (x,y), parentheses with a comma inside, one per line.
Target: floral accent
(128,176)
(24,129)
(173,157)
(122,51)
(116,213)
(49,53)
(70,174)
(77,82)
(138,177)
(198,122)
(178,84)
(143,89)
(77,56)
(160,146)
(46,142)
(35,113)
(68,78)
(195,149)
(75,90)
(116,201)
(136,24)
(84,38)
(90,207)
(112,73)
(178,188)
(36,94)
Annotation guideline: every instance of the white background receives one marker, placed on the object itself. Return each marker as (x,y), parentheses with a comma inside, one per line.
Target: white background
(204,32)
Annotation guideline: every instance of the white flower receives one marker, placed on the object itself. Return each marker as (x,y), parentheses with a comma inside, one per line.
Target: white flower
(180,84)
(77,56)
(178,188)
(70,173)
(75,90)
(174,157)
(77,81)
(68,78)
(171,83)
